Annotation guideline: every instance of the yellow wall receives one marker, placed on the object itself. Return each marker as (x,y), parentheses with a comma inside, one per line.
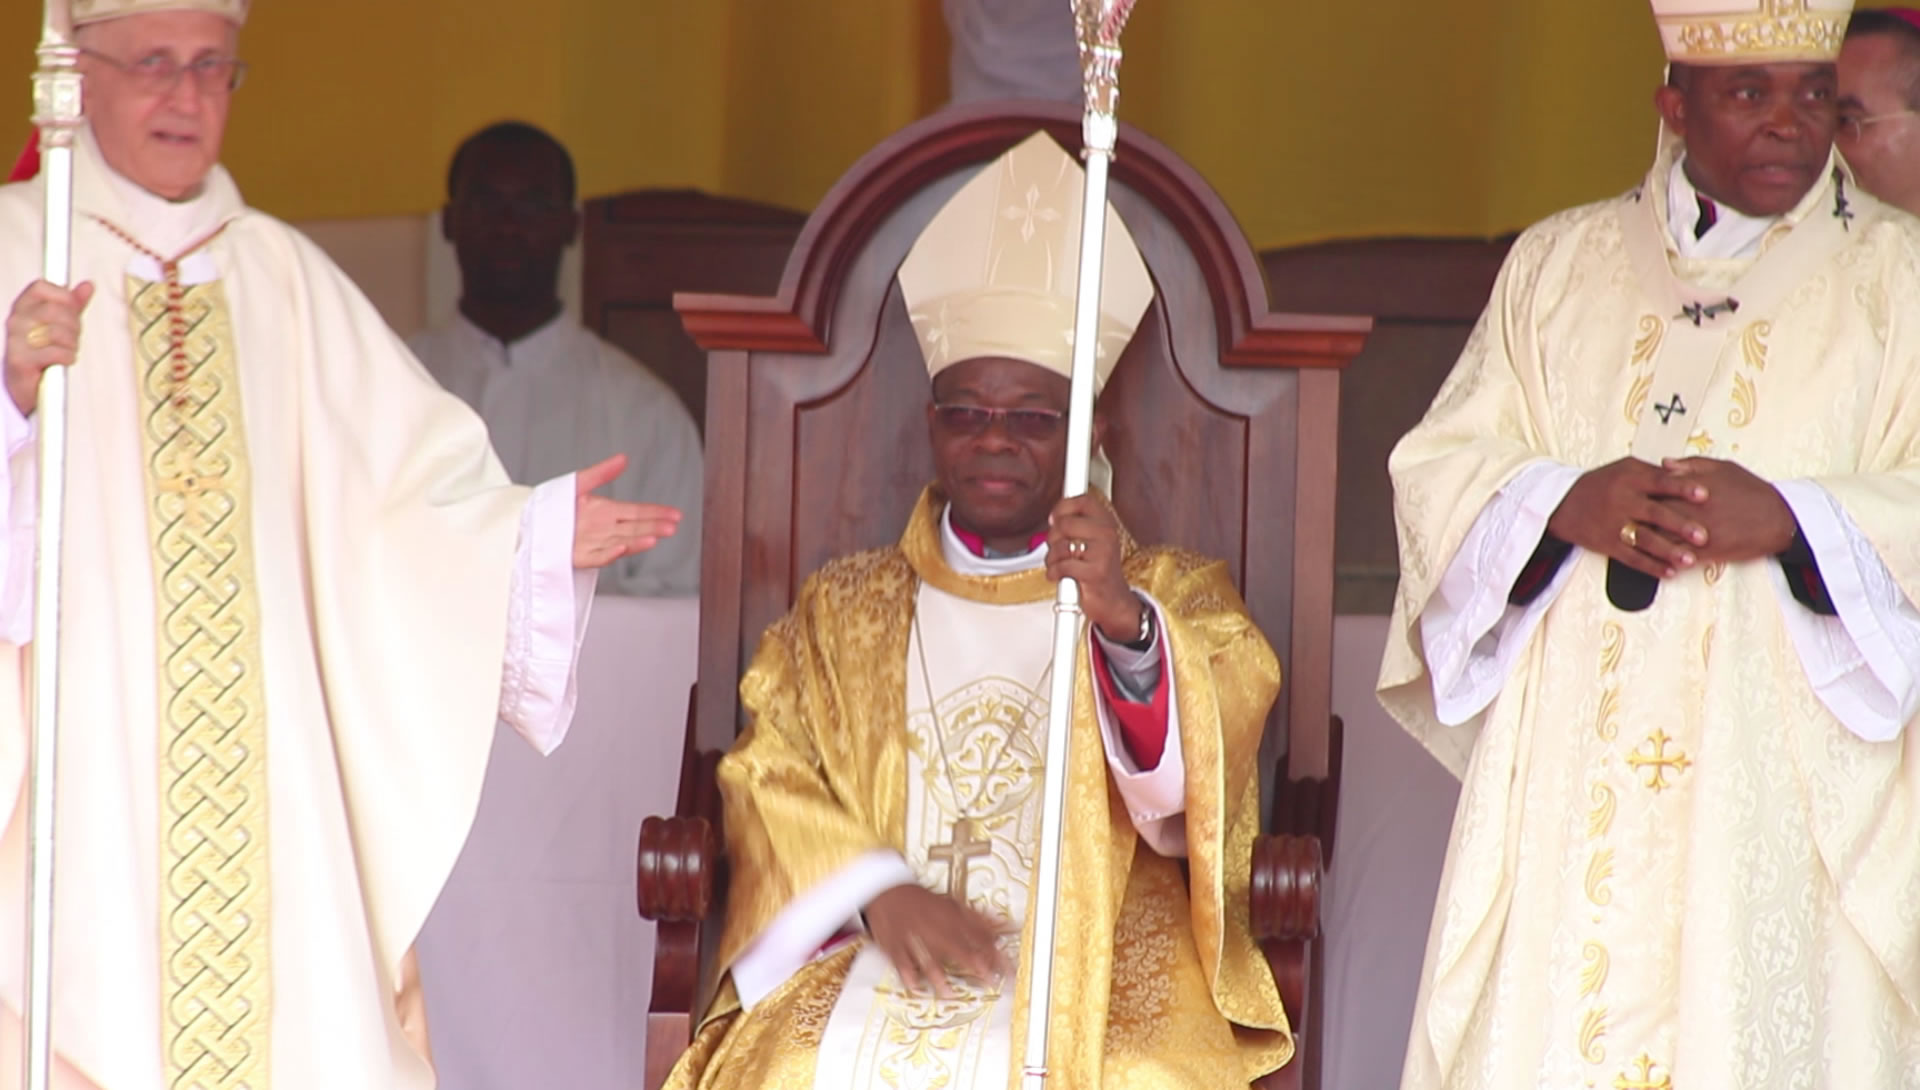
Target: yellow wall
(1314,120)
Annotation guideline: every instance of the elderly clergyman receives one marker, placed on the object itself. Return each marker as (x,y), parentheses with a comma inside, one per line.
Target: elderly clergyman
(299,593)
(1660,549)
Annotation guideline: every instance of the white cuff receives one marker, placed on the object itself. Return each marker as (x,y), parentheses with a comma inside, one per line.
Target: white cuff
(1864,664)
(546,620)
(1471,634)
(809,920)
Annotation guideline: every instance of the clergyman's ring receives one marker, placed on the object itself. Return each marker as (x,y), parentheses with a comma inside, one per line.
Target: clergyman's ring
(1076,548)
(1630,535)
(39,335)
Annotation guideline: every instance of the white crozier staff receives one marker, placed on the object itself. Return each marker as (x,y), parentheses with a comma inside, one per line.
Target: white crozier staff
(56,115)
(1097,24)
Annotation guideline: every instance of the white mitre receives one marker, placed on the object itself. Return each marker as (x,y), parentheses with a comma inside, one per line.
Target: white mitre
(99,11)
(995,273)
(1752,31)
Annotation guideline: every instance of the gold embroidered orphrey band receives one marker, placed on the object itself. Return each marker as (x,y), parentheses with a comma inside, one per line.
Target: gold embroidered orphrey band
(215,978)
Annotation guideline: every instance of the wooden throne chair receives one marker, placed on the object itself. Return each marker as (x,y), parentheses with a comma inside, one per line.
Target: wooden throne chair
(638,248)
(1222,425)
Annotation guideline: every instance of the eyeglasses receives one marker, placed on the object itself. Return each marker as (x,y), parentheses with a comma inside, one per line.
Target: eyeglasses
(159,73)
(1855,127)
(1027,425)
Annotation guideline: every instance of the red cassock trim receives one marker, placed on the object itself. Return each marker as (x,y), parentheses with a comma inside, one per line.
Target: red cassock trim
(29,163)
(1143,727)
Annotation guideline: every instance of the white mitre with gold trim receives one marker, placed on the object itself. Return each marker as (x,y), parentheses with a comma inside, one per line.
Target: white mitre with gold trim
(1752,31)
(995,273)
(99,11)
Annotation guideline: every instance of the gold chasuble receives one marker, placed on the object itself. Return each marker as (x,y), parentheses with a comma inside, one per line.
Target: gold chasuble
(285,604)
(1672,867)
(864,738)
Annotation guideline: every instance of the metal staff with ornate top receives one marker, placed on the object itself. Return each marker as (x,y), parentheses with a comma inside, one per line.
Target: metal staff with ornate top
(1097,25)
(56,114)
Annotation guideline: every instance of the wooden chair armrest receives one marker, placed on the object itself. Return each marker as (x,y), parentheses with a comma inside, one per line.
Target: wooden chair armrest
(1286,882)
(677,869)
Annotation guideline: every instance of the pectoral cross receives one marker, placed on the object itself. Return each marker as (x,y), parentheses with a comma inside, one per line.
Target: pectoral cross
(956,853)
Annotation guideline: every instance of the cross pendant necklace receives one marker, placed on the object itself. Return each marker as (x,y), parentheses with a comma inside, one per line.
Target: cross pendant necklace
(960,849)
(967,841)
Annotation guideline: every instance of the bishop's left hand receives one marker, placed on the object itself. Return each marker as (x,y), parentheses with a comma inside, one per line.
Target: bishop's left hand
(605,530)
(1746,518)
(1083,543)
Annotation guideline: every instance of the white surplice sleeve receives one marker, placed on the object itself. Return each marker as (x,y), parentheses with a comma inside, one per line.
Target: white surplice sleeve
(18,498)
(1864,664)
(800,930)
(1471,634)
(546,619)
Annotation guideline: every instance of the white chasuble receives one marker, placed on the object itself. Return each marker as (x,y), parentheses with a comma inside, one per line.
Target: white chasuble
(1672,866)
(289,563)
(976,742)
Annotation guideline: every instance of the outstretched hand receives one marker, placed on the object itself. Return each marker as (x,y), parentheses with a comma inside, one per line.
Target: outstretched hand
(605,530)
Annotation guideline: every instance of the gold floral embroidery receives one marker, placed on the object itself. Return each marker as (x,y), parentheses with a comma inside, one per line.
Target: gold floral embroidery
(1599,873)
(1746,403)
(1600,821)
(1594,976)
(1592,1029)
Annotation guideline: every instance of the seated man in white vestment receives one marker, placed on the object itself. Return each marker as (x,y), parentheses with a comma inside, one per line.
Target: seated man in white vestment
(298,593)
(1660,553)
(882,808)
(553,394)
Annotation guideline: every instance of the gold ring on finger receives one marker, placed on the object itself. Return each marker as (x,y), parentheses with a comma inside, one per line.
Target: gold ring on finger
(1630,535)
(39,335)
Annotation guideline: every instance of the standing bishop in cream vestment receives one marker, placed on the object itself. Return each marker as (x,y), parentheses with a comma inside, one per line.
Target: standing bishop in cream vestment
(898,734)
(1660,553)
(298,592)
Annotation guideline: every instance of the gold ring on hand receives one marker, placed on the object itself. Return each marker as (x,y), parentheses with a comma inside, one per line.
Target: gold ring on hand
(1630,535)
(1076,548)
(39,335)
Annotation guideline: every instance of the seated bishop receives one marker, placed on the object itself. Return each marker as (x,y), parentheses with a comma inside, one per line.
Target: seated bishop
(883,806)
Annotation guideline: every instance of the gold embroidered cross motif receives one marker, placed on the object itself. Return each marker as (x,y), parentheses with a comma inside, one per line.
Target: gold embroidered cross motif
(1657,763)
(1643,1079)
(956,854)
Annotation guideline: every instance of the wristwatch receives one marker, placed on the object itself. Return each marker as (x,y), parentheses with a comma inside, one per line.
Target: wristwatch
(1144,639)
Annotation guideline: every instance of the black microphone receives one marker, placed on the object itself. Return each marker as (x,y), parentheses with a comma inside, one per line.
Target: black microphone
(1630,589)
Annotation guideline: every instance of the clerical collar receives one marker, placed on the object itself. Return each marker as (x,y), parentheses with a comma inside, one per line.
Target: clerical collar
(967,552)
(163,226)
(1703,227)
